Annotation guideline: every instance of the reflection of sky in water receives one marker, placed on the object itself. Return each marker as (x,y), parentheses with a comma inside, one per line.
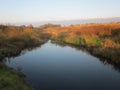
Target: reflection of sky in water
(64,68)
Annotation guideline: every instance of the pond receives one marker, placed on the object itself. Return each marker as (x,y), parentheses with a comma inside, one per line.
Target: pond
(55,67)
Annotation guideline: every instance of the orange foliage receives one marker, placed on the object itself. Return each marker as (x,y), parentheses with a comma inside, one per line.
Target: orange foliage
(92,30)
(107,43)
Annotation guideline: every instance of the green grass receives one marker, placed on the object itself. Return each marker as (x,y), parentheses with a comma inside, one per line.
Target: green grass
(12,80)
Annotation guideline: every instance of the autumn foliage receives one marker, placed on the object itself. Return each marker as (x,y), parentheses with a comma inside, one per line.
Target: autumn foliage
(15,38)
(100,39)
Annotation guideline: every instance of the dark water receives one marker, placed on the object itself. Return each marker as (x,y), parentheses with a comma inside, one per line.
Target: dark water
(53,67)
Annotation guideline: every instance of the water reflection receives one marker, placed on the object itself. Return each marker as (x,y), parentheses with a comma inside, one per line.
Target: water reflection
(56,67)
(115,64)
(20,53)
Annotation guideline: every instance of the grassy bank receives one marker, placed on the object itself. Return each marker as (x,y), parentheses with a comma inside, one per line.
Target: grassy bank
(102,40)
(12,80)
(13,39)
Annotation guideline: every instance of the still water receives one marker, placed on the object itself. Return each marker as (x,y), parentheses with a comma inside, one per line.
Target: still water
(54,67)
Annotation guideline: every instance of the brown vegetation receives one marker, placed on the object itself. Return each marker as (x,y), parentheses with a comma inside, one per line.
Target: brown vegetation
(15,38)
(102,40)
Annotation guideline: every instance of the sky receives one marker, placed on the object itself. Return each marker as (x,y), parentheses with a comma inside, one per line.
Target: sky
(43,10)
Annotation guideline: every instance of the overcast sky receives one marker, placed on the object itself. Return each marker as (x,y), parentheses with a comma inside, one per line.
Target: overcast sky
(42,10)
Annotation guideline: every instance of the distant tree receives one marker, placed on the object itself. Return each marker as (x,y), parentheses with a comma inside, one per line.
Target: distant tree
(30,26)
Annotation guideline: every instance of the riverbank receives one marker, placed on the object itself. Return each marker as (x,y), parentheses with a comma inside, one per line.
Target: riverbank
(101,40)
(12,79)
(14,39)
(48,66)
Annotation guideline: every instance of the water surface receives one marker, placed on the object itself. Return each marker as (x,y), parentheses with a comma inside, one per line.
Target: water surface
(54,67)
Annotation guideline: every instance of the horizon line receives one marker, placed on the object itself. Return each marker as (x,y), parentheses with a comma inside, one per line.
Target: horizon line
(60,20)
